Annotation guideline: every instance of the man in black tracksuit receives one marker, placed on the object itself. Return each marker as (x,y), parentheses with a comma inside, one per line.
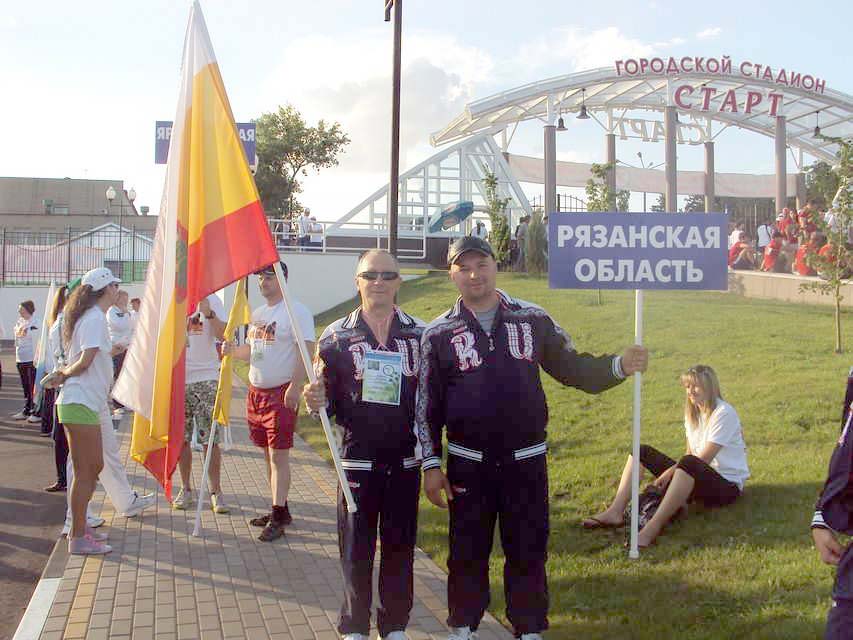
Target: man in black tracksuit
(834,512)
(480,377)
(378,449)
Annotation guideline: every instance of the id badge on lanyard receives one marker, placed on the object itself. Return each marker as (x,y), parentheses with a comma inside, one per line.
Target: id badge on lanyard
(382,378)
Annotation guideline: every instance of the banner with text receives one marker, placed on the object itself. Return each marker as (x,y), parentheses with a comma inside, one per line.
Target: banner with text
(163,133)
(637,251)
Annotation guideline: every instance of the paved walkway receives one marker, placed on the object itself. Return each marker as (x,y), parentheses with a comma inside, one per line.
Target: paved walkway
(160,582)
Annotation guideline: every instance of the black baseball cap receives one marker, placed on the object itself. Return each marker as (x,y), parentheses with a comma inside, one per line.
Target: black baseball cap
(468,243)
(269,270)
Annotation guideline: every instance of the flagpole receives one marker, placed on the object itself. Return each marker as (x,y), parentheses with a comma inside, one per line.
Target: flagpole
(312,378)
(203,486)
(634,552)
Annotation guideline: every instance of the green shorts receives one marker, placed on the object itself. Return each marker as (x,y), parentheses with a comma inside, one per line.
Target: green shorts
(75,413)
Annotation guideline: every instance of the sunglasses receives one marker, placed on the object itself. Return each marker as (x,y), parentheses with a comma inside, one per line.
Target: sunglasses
(379,275)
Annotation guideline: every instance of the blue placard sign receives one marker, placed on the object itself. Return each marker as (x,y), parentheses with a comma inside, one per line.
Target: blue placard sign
(637,251)
(163,133)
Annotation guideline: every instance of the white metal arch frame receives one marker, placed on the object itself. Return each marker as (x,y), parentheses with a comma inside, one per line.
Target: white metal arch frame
(606,91)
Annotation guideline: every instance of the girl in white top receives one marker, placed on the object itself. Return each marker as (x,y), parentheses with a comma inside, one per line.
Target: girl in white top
(86,381)
(713,470)
(24,355)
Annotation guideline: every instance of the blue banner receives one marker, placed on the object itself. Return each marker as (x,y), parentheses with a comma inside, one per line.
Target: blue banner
(638,251)
(163,133)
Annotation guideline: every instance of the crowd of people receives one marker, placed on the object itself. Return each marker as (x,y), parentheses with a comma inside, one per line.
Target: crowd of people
(786,244)
(403,393)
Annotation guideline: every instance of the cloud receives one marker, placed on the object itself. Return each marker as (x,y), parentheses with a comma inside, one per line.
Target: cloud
(8,23)
(710,32)
(583,49)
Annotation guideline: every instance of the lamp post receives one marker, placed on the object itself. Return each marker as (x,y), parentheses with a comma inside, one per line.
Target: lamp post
(393,186)
(131,196)
(111,195)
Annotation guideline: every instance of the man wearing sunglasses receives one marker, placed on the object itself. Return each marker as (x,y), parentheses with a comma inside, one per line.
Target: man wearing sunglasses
(367,364)
(276,375)
(479,377)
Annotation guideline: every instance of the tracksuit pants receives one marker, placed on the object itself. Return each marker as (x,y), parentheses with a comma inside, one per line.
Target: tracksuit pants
(27,373)
(113,477)
(387,499)
(839,622)
(513,494)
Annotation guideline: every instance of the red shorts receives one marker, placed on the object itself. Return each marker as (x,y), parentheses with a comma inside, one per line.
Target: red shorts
(271,423)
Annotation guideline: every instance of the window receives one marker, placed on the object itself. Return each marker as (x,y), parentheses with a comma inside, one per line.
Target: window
(60,209)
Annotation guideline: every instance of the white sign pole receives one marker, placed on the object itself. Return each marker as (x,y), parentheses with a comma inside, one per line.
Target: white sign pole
(312,378)
(203,486)
(634,552)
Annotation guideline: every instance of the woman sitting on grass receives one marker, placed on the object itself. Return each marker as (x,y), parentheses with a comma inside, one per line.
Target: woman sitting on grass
(713,470)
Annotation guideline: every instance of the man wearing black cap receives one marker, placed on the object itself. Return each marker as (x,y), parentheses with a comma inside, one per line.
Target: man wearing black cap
(276,374)
(479,376)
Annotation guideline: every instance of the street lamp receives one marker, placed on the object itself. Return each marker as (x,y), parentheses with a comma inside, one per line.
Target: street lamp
(131,196)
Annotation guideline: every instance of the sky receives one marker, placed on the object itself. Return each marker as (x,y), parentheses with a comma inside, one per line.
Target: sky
(83,82)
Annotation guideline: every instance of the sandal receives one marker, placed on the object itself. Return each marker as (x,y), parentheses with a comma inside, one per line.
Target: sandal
(594,523)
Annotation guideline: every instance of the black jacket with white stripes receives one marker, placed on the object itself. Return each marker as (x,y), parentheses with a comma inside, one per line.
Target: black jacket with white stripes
(486,388)
(834,508)
(378,432)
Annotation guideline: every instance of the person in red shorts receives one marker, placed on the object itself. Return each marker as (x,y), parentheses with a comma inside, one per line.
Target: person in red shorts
(276,375)
(801,262)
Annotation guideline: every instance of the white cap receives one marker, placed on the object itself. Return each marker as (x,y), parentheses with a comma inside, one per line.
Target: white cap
(99,278)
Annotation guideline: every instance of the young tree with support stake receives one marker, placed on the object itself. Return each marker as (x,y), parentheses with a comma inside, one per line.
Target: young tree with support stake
(835,263)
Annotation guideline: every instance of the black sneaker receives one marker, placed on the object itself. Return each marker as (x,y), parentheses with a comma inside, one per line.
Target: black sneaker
(260,521)
(286,518)
(272,531)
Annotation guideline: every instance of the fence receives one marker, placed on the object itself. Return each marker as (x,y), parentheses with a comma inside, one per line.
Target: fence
(39,257)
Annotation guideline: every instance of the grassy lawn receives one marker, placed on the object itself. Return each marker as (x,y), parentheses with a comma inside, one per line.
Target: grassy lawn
(746,571)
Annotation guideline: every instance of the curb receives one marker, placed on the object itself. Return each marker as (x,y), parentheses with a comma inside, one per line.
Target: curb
(38,608)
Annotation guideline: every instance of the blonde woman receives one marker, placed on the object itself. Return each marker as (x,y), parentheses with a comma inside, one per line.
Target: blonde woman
(86,381)
(712,471)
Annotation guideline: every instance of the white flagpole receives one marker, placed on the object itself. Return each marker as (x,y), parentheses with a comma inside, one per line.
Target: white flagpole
(634,552)
(312,378)
(203,486)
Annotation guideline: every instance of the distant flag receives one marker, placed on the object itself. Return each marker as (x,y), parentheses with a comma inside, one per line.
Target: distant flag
(42,358)
(239,316)
(211,231)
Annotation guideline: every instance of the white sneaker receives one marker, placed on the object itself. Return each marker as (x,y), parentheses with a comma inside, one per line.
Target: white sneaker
(355,636)
(34,419)
(19,416)
(395,635)
(531,636)
(139,504)
(462,633)
(183,500)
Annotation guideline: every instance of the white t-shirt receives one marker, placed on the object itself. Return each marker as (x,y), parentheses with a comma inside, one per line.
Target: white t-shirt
(722,427)
(316,232)
(54,345)
(202,358)
(274,352)
(120,325)
(92,387)
(763,234)
(304,224)
(480,232)
(24,347)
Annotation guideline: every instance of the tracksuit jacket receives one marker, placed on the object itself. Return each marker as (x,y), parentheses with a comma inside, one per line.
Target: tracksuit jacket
(487,389)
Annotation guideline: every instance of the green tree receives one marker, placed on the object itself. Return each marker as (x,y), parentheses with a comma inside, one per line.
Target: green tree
(821,181)
(499,236)
(834,267)
(660,205)
(694,204)
(536,255)
(599,196)
(288,147)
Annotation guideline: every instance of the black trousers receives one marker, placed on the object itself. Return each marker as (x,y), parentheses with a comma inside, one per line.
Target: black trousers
(839,622)
(27,372)
(48,416)
(711,489)
(515,496)
(60,441)
(118,363)
(387,499)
